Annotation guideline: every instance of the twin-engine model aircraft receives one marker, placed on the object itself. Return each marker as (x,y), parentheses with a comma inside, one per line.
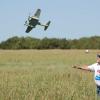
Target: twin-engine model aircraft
(33,21)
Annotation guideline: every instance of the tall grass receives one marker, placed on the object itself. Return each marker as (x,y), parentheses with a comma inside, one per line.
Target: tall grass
(46,75)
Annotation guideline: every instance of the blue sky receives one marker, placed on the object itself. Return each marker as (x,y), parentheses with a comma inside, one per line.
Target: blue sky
(69,18)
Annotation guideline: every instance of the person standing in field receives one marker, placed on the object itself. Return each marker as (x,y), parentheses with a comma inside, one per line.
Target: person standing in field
(96,69)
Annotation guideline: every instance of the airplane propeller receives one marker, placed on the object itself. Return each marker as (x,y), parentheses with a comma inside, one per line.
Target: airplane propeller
(29,17)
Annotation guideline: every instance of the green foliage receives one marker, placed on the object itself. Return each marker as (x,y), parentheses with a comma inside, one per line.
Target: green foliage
(52,43)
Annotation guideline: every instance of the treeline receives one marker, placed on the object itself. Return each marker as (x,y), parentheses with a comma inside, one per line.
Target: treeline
(51,43)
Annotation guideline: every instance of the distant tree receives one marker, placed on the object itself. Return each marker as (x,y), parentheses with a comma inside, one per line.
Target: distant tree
(51,43)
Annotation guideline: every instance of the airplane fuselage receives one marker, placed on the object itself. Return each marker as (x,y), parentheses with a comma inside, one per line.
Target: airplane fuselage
(33,22)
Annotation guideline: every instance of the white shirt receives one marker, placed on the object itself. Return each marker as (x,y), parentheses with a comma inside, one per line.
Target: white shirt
(96,68)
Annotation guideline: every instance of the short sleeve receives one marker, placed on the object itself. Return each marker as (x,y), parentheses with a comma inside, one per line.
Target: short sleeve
(91,67)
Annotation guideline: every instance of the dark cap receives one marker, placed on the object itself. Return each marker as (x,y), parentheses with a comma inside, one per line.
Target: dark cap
(98,55)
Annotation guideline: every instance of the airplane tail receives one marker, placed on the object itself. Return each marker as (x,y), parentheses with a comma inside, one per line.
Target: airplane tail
(47,25)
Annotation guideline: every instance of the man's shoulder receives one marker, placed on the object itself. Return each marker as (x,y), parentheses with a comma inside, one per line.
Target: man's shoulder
(95,64)
(92,65)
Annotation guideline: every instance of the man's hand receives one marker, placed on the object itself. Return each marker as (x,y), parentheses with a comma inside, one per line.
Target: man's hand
(74,66)
(78,67)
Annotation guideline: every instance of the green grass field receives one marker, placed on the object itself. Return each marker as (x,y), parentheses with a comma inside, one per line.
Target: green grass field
(46,75)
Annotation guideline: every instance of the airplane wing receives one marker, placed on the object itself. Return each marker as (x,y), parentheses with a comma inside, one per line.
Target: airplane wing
(37,13)
(29,29)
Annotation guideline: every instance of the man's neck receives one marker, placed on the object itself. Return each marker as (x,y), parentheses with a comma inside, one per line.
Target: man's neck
(98,63)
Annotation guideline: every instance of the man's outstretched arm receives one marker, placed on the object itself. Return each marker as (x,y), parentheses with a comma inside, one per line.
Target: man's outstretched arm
(82,68)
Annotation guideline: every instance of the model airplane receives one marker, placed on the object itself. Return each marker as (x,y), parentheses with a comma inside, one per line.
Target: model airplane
(33,21)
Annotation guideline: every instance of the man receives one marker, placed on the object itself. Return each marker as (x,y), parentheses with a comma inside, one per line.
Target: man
(96,69)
